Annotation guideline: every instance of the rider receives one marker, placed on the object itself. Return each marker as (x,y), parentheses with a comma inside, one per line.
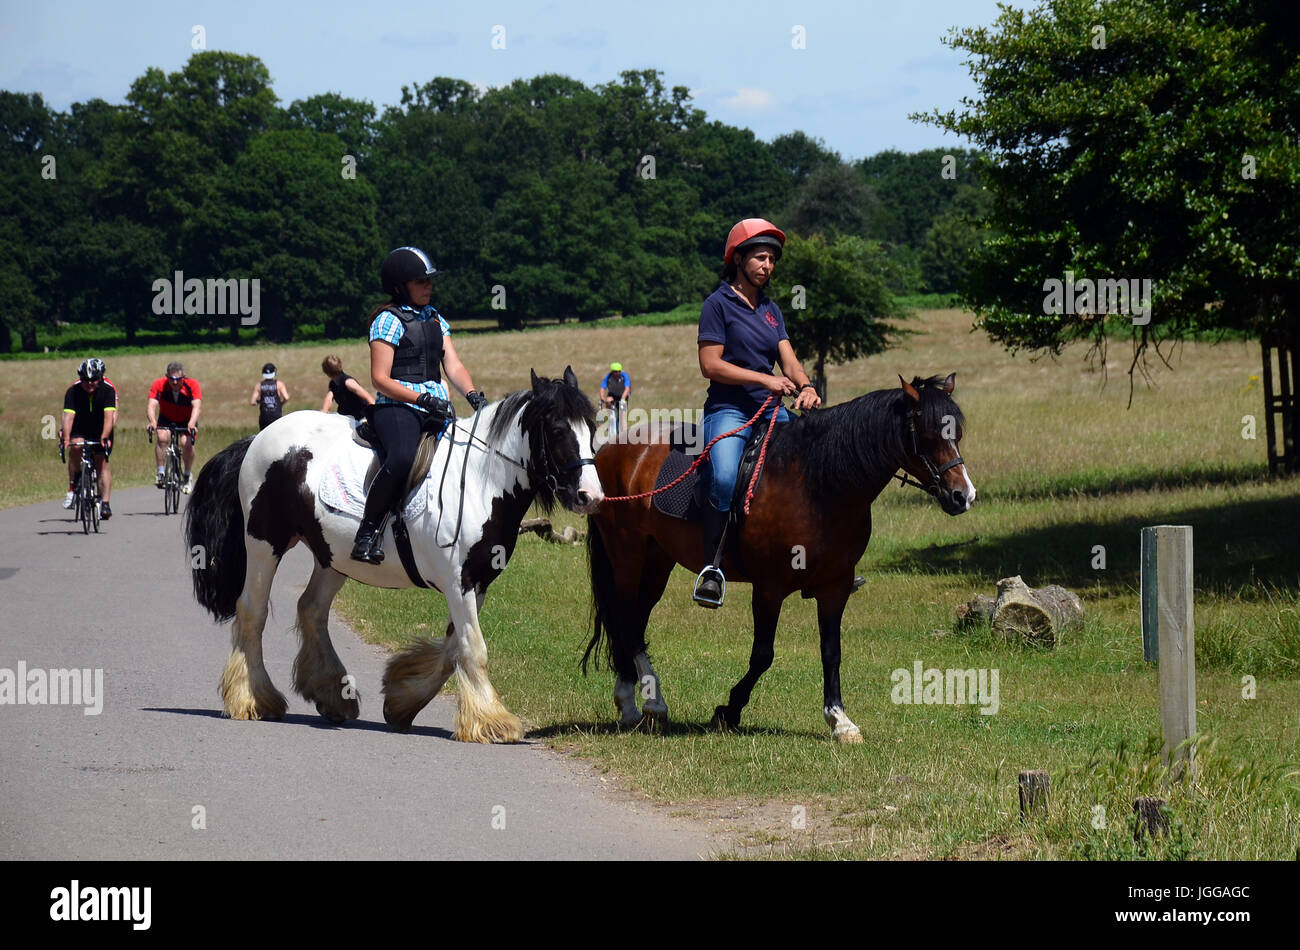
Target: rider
(615,388)
(271,394)
(349,395)
(89,412)
(409,343)
(178,399)
(742,334)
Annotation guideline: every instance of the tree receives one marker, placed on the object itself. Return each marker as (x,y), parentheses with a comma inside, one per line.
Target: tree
(952,239)
(833,199)
(1145,139)
(838,306)
(800,155)
(283,214)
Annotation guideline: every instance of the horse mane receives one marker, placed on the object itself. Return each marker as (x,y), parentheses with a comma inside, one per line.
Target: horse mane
(859,441)
(554,399)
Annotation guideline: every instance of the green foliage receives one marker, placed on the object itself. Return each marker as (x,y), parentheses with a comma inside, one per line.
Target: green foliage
(284,213)
(1130,156)
(576,201)
(837,300)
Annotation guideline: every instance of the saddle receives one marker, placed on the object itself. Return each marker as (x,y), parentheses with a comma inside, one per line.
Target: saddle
(687,500)
(364,435)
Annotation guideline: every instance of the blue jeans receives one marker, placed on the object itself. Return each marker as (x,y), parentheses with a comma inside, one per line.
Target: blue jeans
(724,458)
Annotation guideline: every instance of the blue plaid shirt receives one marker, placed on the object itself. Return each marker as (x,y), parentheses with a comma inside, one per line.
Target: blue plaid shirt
(387,327)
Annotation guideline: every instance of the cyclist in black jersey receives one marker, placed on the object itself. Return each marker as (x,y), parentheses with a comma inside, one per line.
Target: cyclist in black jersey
(89,412)
(269,395)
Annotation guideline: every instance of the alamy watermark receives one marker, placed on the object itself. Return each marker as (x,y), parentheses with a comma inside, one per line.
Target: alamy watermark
(213,297)
(59,687)
(1099,296)
(935,687)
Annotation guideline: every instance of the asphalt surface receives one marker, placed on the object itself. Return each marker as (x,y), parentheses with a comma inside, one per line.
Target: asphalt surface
(133,781)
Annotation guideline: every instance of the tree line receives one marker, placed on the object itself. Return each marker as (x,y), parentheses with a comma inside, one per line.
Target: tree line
(545,199)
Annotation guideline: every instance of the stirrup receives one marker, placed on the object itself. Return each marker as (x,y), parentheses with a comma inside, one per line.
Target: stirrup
(703,599)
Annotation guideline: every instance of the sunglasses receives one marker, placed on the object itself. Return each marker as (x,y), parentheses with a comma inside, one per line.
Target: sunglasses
(175,379)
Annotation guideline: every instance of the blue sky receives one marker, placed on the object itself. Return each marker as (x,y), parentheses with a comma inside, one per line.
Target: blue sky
(864,67)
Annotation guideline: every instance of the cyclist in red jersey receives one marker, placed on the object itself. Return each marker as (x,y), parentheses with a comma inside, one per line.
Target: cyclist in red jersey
(89,412)
(176,400)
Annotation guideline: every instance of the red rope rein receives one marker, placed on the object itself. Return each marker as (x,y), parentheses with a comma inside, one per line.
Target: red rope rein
(705,454)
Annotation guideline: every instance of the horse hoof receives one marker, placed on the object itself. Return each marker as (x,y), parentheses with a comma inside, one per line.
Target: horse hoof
(335,717)
(720,722)
(653,724)
(396,723)
(849,736)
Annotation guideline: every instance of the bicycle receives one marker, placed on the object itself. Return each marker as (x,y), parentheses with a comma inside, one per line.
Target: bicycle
(85,498)
(617,418)
(173,476)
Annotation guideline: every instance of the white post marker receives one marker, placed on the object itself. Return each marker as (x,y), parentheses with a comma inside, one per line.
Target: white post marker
(1168,635)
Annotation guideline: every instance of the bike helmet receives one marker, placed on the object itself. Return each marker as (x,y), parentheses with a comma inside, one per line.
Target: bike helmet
(753,232)
(616,367)
(92,368)
(401,265)
(268,371)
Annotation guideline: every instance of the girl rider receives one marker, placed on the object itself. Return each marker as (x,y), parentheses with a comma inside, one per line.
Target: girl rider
(410,347)
(742,334)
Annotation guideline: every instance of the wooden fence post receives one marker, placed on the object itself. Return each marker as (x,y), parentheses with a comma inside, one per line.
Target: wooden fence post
(1168,635)
(1035,791)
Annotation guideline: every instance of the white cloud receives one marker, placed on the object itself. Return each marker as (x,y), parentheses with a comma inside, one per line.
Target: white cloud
(749,99)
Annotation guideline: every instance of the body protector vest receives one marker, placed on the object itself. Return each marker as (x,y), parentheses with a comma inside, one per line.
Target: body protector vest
(269,400)
(419,352)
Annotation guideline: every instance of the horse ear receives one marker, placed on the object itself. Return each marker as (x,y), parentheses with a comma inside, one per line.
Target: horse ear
(569,378)
(910,390)
(949,384)
(537,380)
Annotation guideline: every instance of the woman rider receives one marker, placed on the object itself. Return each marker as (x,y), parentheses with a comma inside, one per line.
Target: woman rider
(742,334)
(410,346)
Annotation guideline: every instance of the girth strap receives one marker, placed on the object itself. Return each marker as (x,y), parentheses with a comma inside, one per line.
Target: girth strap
(405,553)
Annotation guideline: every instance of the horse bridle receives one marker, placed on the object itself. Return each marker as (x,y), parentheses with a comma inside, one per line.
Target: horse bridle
(935,473)
(554,472)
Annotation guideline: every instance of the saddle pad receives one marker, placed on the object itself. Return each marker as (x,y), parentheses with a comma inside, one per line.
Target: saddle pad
(342,487)
(677,501)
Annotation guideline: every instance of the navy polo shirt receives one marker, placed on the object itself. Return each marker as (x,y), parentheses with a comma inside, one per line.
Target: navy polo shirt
(749,338)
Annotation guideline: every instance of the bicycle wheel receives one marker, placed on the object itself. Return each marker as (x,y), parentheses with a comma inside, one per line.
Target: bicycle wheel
(94,504)
(173,491)
(87,501)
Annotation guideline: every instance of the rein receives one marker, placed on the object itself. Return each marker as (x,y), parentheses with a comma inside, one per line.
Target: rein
(552,474)
(705,454)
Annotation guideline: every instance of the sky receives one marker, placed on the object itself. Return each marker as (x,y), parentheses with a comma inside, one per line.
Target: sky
(863,66)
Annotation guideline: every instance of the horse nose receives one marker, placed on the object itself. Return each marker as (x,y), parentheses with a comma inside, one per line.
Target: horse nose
(589,501)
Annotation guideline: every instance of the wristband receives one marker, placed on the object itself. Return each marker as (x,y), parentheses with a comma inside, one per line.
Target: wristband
(808,386)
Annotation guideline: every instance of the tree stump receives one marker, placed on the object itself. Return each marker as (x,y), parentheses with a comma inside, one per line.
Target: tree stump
(1038,617)
(542,528)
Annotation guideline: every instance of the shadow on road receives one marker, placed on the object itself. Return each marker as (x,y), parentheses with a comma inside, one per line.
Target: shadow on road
(315,722)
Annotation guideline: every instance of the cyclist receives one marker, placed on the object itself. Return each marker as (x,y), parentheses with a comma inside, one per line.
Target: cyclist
(89,412)
(177,399)
(615,389)
(349,395)
(270,395)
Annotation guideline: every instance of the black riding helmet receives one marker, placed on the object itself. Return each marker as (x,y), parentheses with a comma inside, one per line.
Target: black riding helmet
(401,265)
(92,368)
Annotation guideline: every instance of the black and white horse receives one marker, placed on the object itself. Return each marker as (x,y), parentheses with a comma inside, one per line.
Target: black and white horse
(261,496)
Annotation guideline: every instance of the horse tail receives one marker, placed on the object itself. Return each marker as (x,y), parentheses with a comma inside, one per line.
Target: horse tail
(603,596)
(214,522)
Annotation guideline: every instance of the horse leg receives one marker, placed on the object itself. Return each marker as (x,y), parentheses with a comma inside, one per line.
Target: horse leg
(318,674)
(246,688)
(766,614)
(654,579)
(480,715)
(830,610)
(414,677)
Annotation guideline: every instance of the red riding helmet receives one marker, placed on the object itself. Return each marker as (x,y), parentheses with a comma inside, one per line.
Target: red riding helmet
(752,232)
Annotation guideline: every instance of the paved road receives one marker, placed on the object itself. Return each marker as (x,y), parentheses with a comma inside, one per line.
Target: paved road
(126,783)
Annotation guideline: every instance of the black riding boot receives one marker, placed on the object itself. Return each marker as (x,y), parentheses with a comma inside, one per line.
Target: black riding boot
(379,501)
(710,586)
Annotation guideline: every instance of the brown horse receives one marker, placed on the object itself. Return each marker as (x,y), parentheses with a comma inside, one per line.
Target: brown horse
(808,526)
